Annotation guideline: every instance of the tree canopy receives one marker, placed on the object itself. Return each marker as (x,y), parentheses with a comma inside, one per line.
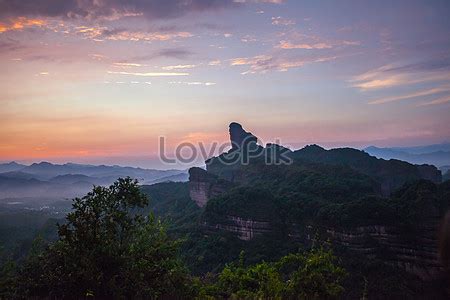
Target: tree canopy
(106,249)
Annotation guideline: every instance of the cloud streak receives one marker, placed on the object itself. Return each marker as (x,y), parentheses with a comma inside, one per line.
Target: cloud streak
(118,64)
(391,76)
(192,83)
(288,45)
(412,95)
(178,67)
(265,63)
(442,100)
(148,74)
(120,34)
(280,21)
(297,40)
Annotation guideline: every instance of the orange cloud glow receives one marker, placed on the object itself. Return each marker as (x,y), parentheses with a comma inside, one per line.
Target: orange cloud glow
(21,23)
(289,45)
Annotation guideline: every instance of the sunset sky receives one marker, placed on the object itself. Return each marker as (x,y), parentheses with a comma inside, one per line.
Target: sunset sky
(99,81)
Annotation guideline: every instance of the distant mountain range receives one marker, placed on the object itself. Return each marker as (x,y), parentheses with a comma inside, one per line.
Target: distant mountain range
(71,180)
(438,154)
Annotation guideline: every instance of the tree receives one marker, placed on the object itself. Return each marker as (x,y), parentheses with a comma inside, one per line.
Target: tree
(309,275)
(313,275)
(107,249)
(254,282)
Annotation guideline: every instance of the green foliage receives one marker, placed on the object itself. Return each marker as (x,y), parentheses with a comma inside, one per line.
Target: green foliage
(295,194)
(171,202)
(105,250)
(19,228)
(364,211)
(7,279)
(252,203)
(418,200)
(310,275)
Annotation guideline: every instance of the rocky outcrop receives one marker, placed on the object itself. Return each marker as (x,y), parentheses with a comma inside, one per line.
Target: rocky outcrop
(417,254)
(240,139)
(203,186)
(245,229)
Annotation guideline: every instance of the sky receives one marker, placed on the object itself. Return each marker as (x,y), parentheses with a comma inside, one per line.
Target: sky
(100,81)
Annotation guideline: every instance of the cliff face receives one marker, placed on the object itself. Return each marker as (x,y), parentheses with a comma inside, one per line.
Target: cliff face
(417,254)
(204,186)
(245,229)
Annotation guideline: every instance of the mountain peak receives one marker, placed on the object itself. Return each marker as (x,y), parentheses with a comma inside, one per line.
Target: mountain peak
(314,148)
(42,164)
(240,138)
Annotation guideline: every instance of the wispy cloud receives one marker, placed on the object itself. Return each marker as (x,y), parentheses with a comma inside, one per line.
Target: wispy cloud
(119,64)
(441,100)
(280,21)
(288,45)
(311,43)
(397,75)
(215,63)
(149,74)
(377,78)
(249,39)
(265,63)
(422,93)
(192,83)
(432,72)
(99,57)
(178,67)
(145,36)
(297,40)
(131,82)
(103,33)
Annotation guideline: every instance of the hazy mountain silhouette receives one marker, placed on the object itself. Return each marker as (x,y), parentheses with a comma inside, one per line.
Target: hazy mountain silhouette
(69,180)
(438,154)
(10,167)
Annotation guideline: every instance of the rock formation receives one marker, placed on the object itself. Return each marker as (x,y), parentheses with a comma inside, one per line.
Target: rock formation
(386,241)
(204,186)
(239,138)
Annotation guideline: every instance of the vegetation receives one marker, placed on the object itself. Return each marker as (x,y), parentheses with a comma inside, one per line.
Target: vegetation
(108,249)
(311,275)
(104,250)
